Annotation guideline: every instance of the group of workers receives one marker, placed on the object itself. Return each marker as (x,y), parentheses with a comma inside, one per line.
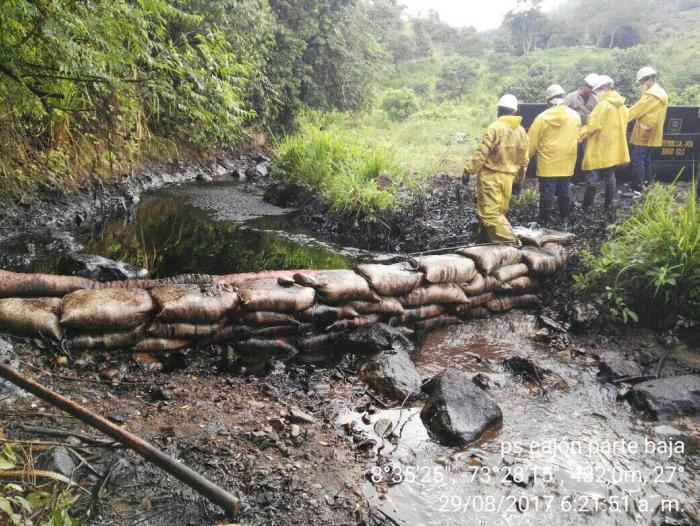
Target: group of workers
(592,119)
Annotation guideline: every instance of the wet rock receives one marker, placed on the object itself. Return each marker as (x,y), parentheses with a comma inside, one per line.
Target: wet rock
(8,357)
(98,268)
(458,412)
(584,316)
(525,368)
(614,365)
(370,339)
(203,177)
(147,363)
(667,398)
(299,416)
(257,171)
(58,460)
(391,373)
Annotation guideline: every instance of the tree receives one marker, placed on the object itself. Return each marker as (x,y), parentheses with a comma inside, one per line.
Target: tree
(457,77)
(399,104)
(528,28)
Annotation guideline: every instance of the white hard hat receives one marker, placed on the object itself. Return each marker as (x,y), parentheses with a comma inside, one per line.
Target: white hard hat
(645,72)
(591,79)
(554,91)
(603,80)
(508,101)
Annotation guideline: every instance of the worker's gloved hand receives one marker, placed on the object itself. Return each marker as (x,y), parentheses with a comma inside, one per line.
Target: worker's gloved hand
(517,188)
(465,177)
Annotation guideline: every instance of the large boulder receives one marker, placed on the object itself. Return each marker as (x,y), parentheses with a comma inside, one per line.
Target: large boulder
(99,268)
(458,412)
(614,365)
(667,398)
(391,373)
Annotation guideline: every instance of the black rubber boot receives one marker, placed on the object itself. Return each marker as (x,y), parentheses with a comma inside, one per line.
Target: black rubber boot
(545,211)
(564,208)
(637,179)
(589,196)
(649,176)
(610,191)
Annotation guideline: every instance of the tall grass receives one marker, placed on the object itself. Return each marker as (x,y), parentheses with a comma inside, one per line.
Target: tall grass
(341,168)
(650,267)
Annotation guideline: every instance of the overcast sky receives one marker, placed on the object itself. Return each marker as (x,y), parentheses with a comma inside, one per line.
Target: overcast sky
(482,14)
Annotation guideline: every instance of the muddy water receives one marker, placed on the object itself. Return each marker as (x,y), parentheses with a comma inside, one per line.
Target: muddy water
(569,453)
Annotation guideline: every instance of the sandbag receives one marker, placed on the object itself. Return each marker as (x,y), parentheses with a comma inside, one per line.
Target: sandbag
(443,293)
(541,236)
(510,272)
(489,258)
(447,268)
(353,323)
(193,303)
(265,274)
(267,294)
(421,313)
(386,305)
(183,330)
(182,279)
(317,343)
(338,285)
(521,285)
(391,280)
(547,260)
(266,318)
(262,349)
(105,310)
(161,344)
(475,301)
(107,341)
(35,317)
(435,323)
(282,330)
(480,312)
(325,314)
(475,286)
(506,303)
(14,284)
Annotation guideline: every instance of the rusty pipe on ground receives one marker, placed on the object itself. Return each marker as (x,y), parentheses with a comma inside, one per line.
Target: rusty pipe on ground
(230,504)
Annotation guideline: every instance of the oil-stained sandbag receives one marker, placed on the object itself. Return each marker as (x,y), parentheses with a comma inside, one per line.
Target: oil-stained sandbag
(510,272)
(521,285)
(193,303)
(183,330)
(317,343)
(161,344)
(447,268)
(386,305)
(338,285)
(326,314)
(435,323)
(266,318)
(506,303)
(475,286)
(489,258)
(265,274)
(547,260)
(267,294)
(475,301)
(14,284)
(443,293)
(262,349)
(421,313)
(182,279)
(282,330)
(391,280)
(353,323)
(540,236)
(35,317)
(107,341)
(480,312)
(105,310)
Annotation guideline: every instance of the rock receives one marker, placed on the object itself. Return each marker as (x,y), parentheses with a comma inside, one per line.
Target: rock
(525,368)
(614,365)
(667,398)
(584,316)
(294,430)
(98,268)
(204,177)
(8,357)
(58,460)
(391,373)
(370,339)
(297,415)
(147,363)
(383,427)
(457,412)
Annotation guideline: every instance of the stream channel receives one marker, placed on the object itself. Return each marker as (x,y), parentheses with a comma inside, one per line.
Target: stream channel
(568,451)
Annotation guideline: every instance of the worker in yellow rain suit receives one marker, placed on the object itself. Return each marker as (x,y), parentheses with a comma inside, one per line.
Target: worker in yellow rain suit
(499,161)
(650,114)
(606,148)
(554,138)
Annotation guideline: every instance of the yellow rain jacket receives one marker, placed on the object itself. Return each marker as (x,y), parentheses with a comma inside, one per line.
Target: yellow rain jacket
(500,159)
(650,114)
(607,134)
(554,138)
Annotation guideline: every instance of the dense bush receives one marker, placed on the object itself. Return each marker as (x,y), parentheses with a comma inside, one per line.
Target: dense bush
(457,77)
(399,104)
(650,267)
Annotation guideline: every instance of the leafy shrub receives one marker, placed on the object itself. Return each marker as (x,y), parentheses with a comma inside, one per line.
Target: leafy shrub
(650,267)
(458,76)
(400,104)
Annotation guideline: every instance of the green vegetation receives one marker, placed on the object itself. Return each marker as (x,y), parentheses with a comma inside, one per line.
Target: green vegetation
(650,267)
(399,104)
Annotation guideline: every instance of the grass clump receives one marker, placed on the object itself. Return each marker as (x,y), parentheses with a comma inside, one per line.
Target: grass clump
(342,169)
(650,267)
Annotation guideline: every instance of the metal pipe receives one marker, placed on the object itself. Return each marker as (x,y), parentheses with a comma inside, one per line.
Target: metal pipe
(230,504)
